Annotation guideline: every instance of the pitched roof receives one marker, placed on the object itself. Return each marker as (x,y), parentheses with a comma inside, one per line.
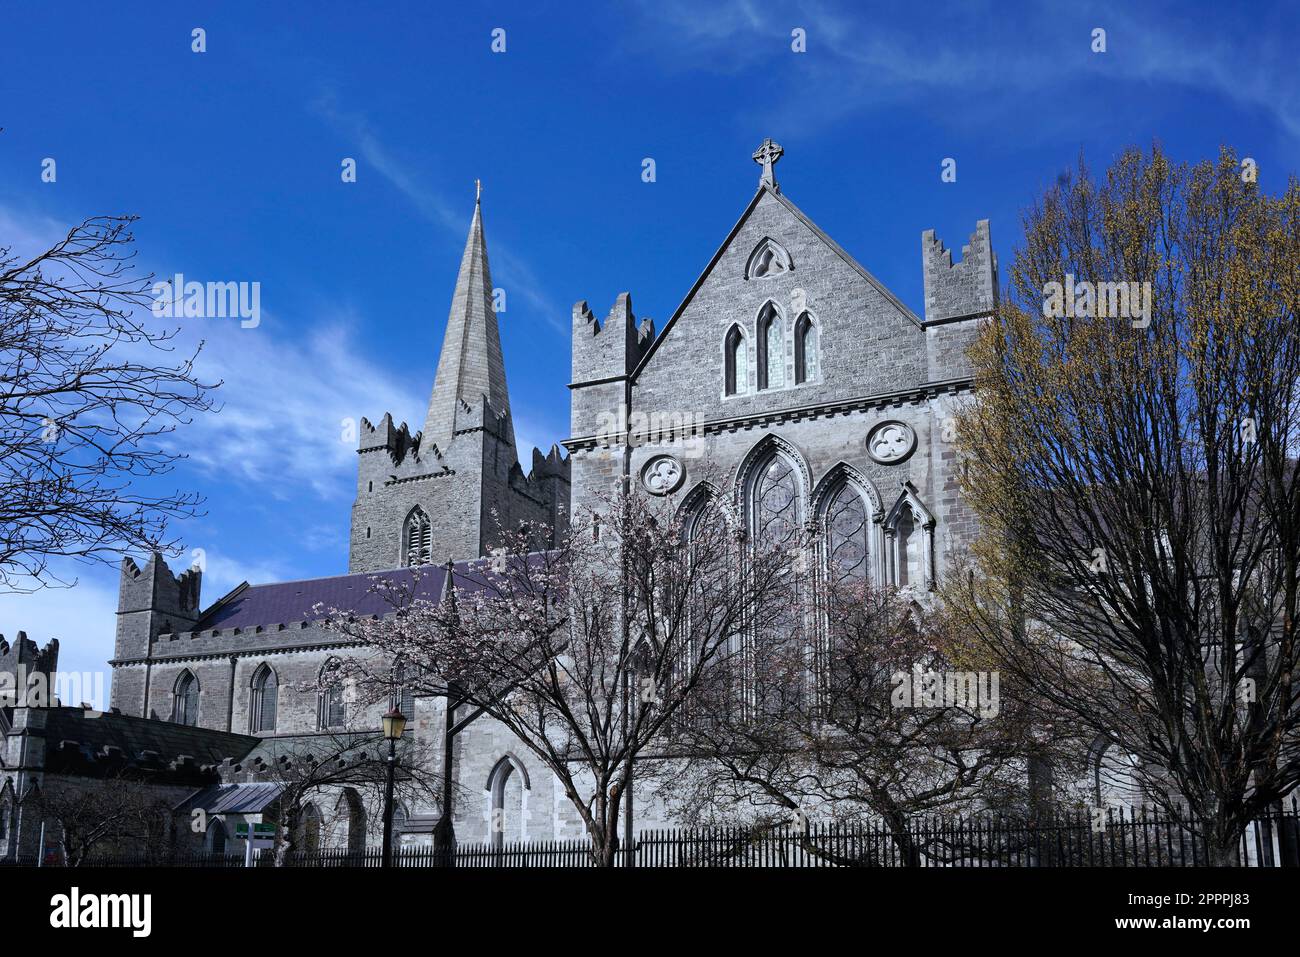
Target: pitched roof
(282,602)
(93,744)
(233,798)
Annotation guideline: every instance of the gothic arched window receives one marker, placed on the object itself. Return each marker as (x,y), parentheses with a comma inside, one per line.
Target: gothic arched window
(909,542)
(506,786)
(419,538)
(771,348)
(848,532)
(737,362)
(769,258)
(350,822)
(262,707)
(1118,779)
(776,510)
(331,706)
(185,699)
(805,350)
(217,836)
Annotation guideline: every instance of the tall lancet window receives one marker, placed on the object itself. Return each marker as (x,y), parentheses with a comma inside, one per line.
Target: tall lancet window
(847,535)
(805,350)
(419,538)
(266,692)
(737,360)
(771,348)
(776,510)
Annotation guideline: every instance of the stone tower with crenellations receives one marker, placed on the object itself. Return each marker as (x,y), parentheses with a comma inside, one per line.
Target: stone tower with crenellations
(446,491)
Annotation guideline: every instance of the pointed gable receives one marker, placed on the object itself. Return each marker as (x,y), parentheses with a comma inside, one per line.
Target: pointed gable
(774,267)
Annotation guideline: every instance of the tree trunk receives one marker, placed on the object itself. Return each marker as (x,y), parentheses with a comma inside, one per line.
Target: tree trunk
(909,854)
(604,830)
(284,835)
(1222,845)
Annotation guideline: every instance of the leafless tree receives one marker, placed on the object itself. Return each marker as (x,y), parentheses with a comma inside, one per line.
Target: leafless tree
(115,813)
(87,395)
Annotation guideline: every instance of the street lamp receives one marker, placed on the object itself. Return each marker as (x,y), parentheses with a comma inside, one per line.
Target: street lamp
(394,723)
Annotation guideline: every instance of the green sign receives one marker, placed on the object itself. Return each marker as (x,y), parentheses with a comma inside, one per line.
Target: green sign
(259,830)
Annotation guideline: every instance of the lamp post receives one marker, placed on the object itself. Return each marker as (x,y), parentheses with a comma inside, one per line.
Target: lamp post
(394,723)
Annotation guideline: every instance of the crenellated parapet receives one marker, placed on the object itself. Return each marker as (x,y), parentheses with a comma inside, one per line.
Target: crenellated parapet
(604,356)
(554,464)
(22,661)
(27,653)
(482,417)
(609,349)
(151,600)
(958,296)
(397,441)
(959,290)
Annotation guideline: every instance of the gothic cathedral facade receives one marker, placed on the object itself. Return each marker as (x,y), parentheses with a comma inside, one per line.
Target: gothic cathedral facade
(806,387)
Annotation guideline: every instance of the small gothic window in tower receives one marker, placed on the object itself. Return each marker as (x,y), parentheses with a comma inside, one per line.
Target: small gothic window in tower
(771,349)
(419,538)
(737,360)
(185,702)
(805,350)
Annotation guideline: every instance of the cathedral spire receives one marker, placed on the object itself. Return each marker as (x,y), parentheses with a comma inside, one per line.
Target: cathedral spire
(471,370)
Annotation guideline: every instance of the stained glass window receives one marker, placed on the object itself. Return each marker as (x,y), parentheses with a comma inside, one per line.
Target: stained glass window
(737,363)
(776,505)
(771,332)
(265,694)
(847,535)
(805,348)
(185,708)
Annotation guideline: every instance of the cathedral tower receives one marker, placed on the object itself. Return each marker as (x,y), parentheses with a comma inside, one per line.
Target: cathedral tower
(446,491)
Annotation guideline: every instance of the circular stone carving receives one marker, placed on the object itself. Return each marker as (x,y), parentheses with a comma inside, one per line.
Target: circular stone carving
(891,442)
(662,474)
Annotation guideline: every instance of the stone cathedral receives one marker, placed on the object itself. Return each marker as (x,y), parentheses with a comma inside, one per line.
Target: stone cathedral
(810,386)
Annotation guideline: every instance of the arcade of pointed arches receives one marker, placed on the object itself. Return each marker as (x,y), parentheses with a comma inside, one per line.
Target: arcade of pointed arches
(857,538)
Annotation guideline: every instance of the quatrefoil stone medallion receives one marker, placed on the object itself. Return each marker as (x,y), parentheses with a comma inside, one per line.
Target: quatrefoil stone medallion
(662,475)
(891,442)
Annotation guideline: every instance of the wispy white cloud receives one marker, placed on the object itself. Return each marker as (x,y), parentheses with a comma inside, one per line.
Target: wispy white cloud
(510,271)
(858,62)
(292,398)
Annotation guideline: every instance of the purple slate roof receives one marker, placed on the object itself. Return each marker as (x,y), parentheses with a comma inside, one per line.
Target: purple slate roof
(284,602)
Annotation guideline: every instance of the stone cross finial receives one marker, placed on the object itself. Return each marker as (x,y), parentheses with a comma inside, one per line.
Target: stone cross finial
(767,155)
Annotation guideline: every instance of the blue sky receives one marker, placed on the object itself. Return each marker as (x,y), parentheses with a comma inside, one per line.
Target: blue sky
(232,159)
